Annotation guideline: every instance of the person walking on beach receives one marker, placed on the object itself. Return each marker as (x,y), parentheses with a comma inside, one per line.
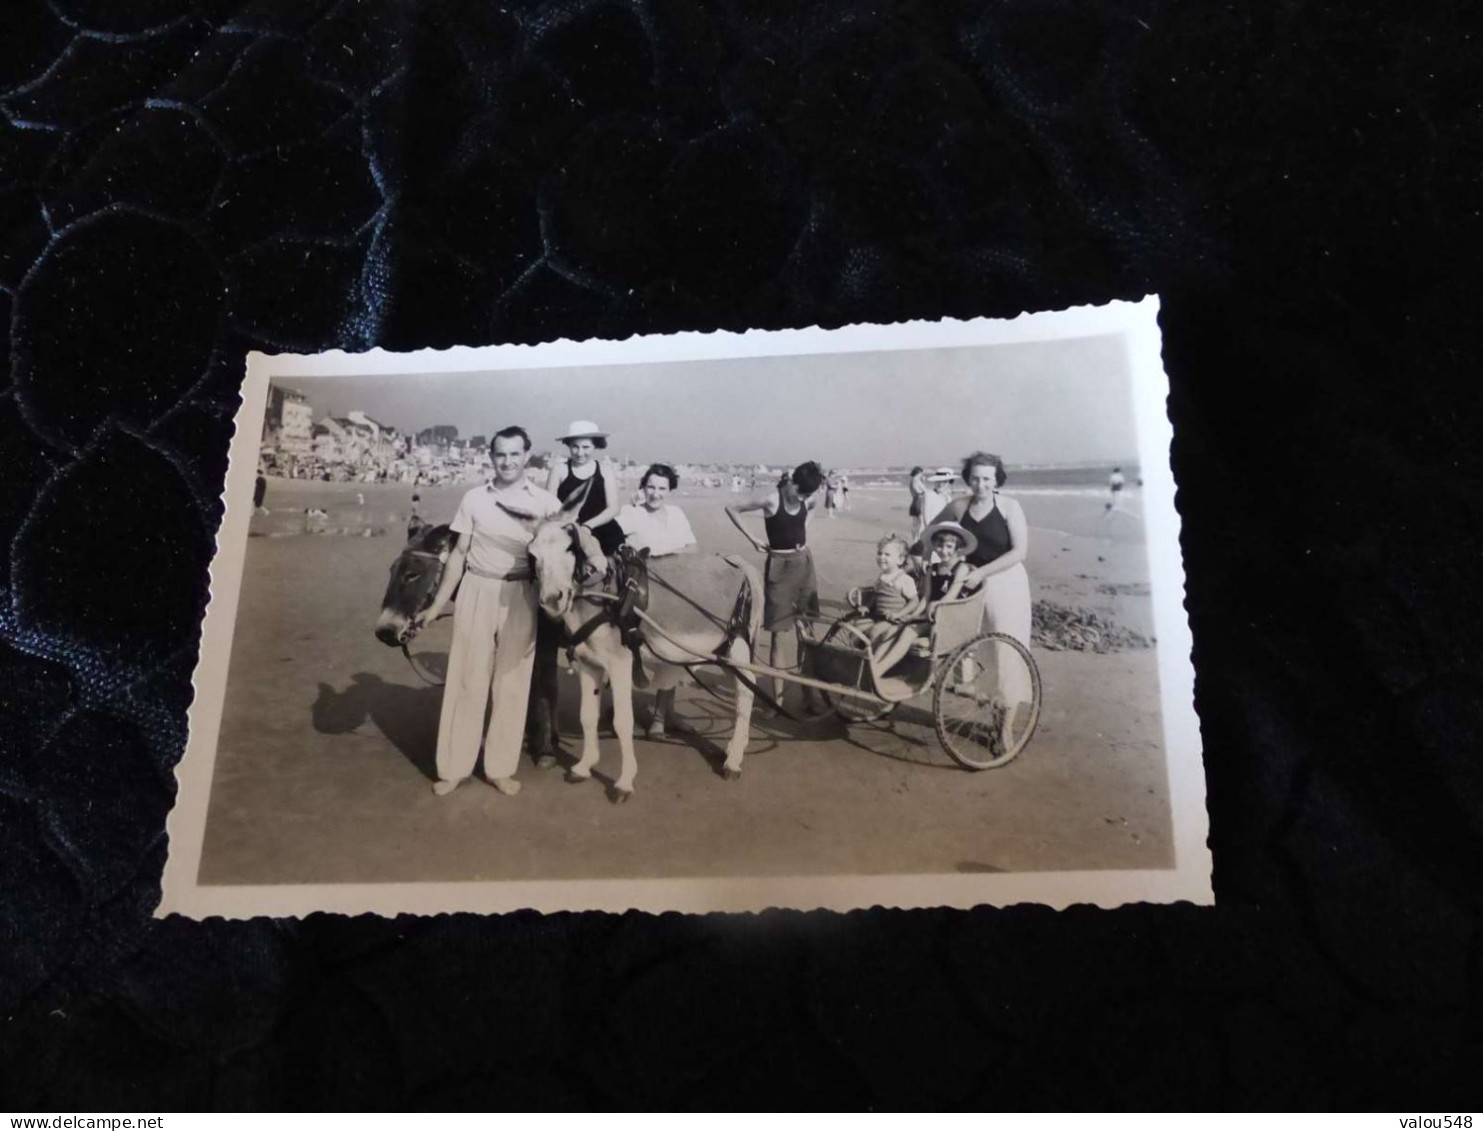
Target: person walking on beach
(790,587)
(494,621)
(259,492)
(937,495)
(833,494)
(1115,485)
(997,572)
(916,487)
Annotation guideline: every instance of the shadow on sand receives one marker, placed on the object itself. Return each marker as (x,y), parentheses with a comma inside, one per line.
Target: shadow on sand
(407,716)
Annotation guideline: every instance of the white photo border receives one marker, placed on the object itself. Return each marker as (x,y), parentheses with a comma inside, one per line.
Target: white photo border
(1136,323)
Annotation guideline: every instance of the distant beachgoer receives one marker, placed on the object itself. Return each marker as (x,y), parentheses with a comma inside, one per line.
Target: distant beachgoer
(790,587)
(937,495)
(259,492)
(916,486)
(1115,485)
(415,521)
(833,494)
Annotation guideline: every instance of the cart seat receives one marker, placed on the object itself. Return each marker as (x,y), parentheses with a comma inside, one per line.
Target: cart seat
(955,623)
(894,689)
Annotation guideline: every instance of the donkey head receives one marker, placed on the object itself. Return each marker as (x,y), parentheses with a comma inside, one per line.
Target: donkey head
(563,556)
(414,580)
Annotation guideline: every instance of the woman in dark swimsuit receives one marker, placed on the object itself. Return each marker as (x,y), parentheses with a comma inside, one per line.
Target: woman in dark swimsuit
(585,468)
(998,561)
(790,586)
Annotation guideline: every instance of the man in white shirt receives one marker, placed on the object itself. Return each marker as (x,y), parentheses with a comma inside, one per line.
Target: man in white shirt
(494,621)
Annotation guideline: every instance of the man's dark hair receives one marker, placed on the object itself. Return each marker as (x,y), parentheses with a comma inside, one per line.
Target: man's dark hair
(807,477)
(664,471)
(506,433)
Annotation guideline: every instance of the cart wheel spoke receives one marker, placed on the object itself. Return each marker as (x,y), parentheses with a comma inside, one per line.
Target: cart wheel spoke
(986,701)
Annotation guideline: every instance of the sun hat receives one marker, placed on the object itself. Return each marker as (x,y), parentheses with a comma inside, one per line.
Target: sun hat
(582,430)
(947,526)
(942,474)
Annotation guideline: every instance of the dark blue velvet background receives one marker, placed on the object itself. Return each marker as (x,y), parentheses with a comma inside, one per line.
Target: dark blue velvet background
(181,182)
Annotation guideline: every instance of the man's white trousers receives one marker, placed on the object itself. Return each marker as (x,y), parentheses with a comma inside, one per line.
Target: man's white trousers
(494,643)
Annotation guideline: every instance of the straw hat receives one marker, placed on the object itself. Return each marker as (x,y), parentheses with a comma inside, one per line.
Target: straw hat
(582,430)
(965,536)
(941,475)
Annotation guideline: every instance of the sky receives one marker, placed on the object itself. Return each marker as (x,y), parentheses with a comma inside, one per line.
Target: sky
(1067,401)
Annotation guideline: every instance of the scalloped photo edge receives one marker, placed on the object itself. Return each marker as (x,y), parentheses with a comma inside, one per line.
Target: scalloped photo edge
(216,867)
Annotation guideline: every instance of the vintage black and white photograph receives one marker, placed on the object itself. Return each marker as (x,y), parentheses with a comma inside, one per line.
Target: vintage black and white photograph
(884,615)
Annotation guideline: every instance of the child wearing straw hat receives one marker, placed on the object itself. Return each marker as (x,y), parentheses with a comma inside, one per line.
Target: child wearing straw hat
(948,544)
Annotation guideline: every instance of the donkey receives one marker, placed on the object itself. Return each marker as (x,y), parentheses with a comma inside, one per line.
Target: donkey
(414,579)
(562,553)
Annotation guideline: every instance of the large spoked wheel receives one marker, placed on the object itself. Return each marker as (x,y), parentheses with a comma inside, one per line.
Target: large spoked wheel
(846,634)
(986,701)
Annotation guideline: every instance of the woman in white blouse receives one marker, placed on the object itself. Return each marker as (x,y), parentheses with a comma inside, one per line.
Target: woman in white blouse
(662,529)
(656,525)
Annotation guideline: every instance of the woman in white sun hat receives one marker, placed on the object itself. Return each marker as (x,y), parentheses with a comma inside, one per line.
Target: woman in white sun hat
(938,493)
(582,468)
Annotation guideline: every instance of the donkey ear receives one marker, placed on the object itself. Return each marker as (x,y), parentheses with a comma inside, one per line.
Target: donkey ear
(568,513)
(522,515)
(590,548)
(415,526)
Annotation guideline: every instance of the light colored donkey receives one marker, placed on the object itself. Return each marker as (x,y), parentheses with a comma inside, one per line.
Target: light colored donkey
(687,632)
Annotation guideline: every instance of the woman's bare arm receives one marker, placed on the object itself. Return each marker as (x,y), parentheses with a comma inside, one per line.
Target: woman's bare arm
(734,511)
(452,574)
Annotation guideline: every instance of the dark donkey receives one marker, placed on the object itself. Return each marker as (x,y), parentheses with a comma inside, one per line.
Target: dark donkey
(414,580)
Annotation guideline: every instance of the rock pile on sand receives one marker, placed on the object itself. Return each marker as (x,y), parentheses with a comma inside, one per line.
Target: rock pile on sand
(1062,628)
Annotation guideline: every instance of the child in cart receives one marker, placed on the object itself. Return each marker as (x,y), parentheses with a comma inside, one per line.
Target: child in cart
(894,592)
(947,545)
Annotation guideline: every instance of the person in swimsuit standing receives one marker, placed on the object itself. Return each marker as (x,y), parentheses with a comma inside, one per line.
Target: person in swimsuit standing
(916,486)
(1115,483)
(998,560)
(790,587)
(582,470)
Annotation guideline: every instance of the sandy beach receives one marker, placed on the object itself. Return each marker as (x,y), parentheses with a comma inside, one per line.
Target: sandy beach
(327,737)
